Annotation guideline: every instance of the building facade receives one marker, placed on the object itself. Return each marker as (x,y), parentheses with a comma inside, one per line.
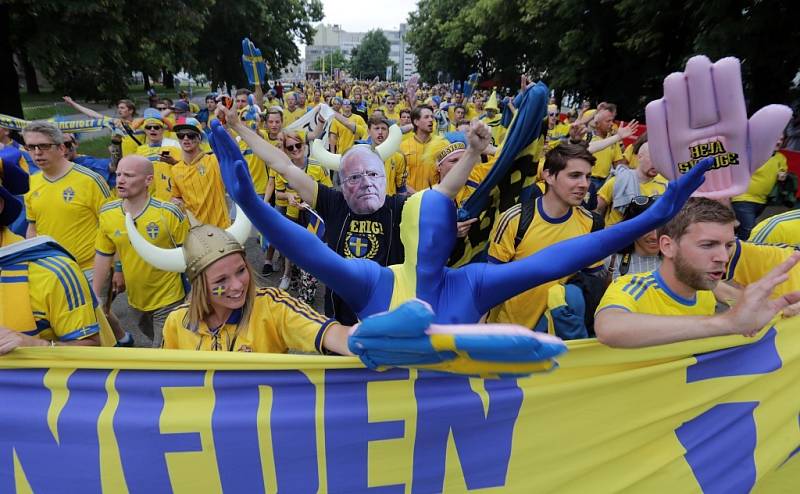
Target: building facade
(330,38)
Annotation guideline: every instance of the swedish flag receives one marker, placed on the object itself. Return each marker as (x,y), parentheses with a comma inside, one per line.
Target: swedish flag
(470,84)
(511,177)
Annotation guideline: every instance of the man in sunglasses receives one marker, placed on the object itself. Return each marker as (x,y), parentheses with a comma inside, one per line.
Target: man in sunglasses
(675,302)
(618,191)
(162,152)
(196,182)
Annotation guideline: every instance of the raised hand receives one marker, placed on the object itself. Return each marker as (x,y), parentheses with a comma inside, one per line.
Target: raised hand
(405,337)
(703,114)
(678,192)
(254,66)
(233,168)
(625,131)
(479,136)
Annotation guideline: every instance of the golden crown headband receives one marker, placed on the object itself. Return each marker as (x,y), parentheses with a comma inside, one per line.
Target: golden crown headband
(452,148)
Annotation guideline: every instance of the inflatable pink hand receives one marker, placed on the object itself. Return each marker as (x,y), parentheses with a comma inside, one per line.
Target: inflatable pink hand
(703,114)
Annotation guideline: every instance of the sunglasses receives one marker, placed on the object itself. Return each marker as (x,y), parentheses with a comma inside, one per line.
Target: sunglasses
(293,147)
(40,147)
(644,200)
(187,135)
(153,127)
(161,108)
(69,144)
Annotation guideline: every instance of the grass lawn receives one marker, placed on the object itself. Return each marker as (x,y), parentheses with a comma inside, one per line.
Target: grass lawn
(48,104)
(97,147)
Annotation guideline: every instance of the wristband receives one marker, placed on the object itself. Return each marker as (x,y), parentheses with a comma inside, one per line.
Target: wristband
(117,267)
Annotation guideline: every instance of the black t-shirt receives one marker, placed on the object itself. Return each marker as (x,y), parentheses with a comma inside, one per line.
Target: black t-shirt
(373,236)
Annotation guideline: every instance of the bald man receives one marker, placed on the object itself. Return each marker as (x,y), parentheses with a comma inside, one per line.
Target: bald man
(152,293)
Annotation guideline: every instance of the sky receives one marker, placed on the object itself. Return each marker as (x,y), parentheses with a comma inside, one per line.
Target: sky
(361,16)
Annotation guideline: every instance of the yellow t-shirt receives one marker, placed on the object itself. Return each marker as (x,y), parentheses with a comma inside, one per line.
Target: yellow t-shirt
(67,209)
(647,293)
(277,324)
(316,172)
(558,132)
(163,225)
(420,166)
(633,158)
(527,307)
(656,186)
(750,262)
(605,158)
(291,116)
(257,167)
(199,185)
(394,115)
(782,228)
(344,136)
(396,173)
(161,187)
(763,180)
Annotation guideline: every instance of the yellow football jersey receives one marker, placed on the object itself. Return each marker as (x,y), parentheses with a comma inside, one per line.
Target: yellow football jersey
(605,158)
(67,210)
(319,174)
(161,187)
(750,262)
(163,225)
(647,293)
(782,228)
(763,180)
(51,296)
(199,185)
(527,307)
(476,176)
(277,324)
(419,162)
(344,136)
(655,187)
(257,167)
(396,173)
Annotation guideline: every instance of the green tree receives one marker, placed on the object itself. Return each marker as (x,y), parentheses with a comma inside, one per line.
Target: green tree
(272,25)
(333,60)
(613,50)
(89,48)
(371,57)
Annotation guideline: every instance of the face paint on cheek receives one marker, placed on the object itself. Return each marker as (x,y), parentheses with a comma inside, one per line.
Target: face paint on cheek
(219,290)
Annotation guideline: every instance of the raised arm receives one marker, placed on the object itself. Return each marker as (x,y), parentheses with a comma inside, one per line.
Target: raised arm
(499,282)
(478,138)
(277,159)
(86,111)
(351,279)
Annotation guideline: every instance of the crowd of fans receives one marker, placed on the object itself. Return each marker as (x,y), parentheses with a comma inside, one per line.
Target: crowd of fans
(713,269)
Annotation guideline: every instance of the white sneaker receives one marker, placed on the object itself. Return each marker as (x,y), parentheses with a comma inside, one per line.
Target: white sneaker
(284,283)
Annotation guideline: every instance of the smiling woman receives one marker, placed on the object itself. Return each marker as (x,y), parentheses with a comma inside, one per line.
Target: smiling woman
(225,311)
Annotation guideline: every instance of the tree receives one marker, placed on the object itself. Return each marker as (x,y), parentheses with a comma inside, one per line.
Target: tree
(372,56)
(88,49)
(272,25)
(612,50)
(333,60)
(10,103)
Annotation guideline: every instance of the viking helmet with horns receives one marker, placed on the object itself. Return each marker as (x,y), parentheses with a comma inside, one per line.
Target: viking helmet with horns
(204,245)
(332,161)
